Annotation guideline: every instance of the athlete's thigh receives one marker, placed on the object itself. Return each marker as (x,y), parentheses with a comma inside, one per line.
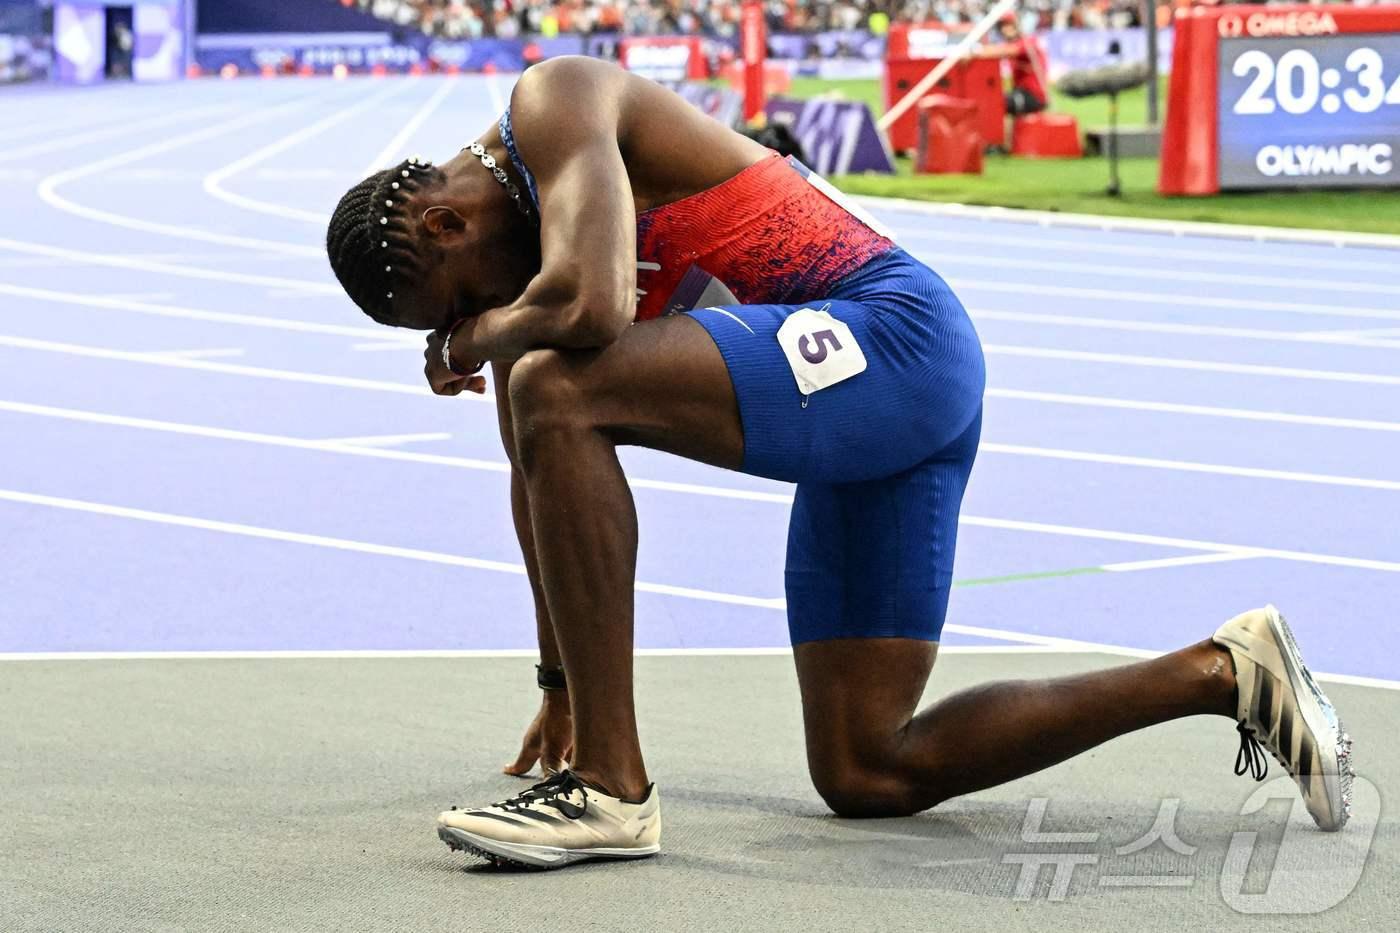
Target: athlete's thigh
(663,384)
(869,573)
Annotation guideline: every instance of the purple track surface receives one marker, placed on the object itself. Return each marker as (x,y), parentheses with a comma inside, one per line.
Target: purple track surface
(206,448)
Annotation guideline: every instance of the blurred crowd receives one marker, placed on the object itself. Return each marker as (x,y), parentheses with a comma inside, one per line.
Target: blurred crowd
(469,19)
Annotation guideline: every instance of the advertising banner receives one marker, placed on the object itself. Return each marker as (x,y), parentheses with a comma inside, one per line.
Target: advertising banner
(838,136)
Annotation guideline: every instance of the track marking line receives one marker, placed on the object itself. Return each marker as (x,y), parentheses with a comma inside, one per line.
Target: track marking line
(722,492)
(195,354)
(48,188)
(96,135)
(1191,330)
(378,347)
(387,440)
(493,87)
(232,369)
(1209,411)
(1188,466)
(126,303)
(1173,228)
(1170,275)
(389,154)
(407,654)
(1151,252)
(1040,290)
(214,181)
(107,118)
(118,261)
(360,547)
(1100,534)
(1163,362)
(1189,560)
(297,174)
(334,446)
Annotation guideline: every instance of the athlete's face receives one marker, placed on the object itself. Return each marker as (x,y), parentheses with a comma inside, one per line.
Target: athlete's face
(471,270)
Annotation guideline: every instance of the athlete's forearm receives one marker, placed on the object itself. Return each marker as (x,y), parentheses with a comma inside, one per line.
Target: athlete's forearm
(554,313)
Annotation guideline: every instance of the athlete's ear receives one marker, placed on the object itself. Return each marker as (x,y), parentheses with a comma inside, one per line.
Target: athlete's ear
(442,220)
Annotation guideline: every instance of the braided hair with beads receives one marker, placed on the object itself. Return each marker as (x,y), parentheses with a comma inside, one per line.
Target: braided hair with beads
(371,239)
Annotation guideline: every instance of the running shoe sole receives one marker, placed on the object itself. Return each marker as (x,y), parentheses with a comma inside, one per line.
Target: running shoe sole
(1320,716)
(538,858)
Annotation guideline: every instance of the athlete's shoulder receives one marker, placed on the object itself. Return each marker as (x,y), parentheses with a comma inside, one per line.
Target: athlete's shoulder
(567,80)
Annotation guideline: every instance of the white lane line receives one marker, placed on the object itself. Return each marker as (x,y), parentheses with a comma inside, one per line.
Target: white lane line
(1078,245)
(1208,411)
(48,189)
(1174,228)
(1191,330)
(493,87)
(214,181)
(1040,290)
(1063,267)
(377,654)
(387,440)
(722,492)
(345,544)
(378,347)
(376,453)
(392,151)
(1189,466)
(122,129)
(118,261)
(1329,336)
(196,354)
(987,446)
(381,654)
(140,296)
(1100,534)
(233,369)
(1162,362)
(1169,562)
(112,303)
(16,130)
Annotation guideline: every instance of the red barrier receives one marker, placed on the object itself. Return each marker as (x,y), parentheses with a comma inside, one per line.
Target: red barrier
(949,137)
(976,79)
(1046,136)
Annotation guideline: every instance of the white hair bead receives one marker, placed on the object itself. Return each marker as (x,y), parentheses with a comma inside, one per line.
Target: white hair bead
(389,203)
(391,294)
(405,173)
(388,268)
(383,244)
(395,186)
(383,220)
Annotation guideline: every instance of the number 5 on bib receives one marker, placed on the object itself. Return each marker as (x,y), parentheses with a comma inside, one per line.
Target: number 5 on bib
(821,350)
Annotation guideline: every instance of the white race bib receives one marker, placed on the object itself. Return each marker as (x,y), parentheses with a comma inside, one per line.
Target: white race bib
(821,350)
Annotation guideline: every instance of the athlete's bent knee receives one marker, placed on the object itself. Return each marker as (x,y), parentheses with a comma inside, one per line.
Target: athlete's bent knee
(545,400)
(860,793)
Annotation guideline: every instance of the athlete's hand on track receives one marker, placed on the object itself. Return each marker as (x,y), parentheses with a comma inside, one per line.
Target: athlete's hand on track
(443,380)
(550,738)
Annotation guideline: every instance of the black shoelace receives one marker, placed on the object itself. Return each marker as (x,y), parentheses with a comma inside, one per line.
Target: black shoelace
(553,792)
(1251,758)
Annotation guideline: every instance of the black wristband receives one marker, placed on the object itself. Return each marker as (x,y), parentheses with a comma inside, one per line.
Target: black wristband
(550,678)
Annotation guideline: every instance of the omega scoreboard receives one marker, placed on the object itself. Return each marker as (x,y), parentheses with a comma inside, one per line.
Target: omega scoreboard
(1283,97)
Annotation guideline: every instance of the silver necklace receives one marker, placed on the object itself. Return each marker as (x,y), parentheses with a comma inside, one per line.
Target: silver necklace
(488,160)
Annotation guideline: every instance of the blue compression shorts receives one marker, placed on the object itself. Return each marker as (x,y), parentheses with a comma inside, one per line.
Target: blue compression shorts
(880,459)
